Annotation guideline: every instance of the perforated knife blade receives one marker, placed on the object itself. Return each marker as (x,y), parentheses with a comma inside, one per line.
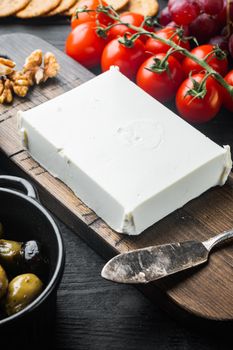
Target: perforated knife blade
(152,263)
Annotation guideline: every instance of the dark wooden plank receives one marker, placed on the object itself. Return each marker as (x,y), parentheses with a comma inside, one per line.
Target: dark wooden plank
(208,292)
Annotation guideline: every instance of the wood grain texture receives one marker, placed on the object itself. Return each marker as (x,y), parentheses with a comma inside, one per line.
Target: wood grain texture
(207,292)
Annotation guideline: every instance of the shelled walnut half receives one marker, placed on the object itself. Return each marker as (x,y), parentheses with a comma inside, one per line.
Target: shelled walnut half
(6,95)
(6,66)
(36,70)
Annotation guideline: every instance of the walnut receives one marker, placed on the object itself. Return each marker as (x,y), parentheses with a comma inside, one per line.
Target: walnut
(20,83)
(6,66)
(34,60)
(33,72)
(6,95)
(39,75)
(51,66)
(33,68)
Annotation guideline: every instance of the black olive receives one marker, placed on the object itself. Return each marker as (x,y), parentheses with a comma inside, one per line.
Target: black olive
(33,259)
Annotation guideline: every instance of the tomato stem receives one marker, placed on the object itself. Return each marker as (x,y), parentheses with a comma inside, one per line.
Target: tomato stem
(170,52)
(184,51)
(216,52)
(127,41)
(159,66)
(141,31)
(199,88)
(150,22)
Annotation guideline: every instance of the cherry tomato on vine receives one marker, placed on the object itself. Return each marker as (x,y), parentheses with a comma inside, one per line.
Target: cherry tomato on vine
(128,59)
(85,45)
(227,98)
(155,46)
(217,60)
(92,15)
(194,107)
(132,18)
(162,85)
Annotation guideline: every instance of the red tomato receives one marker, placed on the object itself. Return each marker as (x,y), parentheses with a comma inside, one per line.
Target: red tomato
(128,59)
(227,98)
(162,86)
(198,109)
(90,16)
(219,64)
(84,45)
(132,18)
(155,46)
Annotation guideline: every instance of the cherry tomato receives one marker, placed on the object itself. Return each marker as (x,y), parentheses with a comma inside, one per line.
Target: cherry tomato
(162,86)
(227,98)
(85,45)
(216,61)
(198,109)
(90,16)
(128,59)
(132,18)
(174,25)
(155,46)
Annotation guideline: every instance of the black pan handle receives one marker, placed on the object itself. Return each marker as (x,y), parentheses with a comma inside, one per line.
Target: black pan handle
(18,183)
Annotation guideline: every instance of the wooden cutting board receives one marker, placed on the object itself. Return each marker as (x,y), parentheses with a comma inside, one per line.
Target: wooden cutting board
(205,292)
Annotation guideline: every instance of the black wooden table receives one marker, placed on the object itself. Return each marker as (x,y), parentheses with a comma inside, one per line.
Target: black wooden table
(96,314)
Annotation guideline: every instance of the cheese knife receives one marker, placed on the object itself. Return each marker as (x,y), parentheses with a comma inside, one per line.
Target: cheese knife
(152,263)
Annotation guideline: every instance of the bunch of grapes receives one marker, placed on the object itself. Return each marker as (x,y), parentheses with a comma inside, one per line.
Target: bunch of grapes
(206,20)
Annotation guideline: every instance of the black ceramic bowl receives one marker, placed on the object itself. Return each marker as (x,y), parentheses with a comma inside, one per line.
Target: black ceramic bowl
(24,218)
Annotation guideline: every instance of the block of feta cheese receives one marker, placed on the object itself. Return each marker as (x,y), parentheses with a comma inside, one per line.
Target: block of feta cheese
(124,154)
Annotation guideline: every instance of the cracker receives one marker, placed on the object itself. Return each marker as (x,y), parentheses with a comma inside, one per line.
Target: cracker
(8,8)
(144,7)
(118,4)
(72,9)
(38,8)
(62,7)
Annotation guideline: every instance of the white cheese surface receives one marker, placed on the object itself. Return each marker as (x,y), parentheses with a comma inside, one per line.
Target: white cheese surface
(123,153)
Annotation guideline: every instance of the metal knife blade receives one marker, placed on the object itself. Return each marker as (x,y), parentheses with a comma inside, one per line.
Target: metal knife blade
(149,264)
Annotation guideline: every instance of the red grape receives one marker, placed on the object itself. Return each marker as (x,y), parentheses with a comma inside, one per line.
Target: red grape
(203,28)
(222,15)
(230,45)
(165,17)
(171,3)
(224,31)
(212,7)
(184,11)
(220,41)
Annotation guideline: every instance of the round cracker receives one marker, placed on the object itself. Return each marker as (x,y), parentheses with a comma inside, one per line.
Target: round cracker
(145,8)
(62,7)
(38,8)
(8,8)
(117,4)
(72,9)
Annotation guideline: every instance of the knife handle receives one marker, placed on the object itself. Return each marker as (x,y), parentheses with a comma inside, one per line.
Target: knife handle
(212,242)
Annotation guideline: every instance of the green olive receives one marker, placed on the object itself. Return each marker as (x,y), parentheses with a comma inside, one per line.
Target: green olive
(10,252)
(22,290)
(3,282)
(1,230)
